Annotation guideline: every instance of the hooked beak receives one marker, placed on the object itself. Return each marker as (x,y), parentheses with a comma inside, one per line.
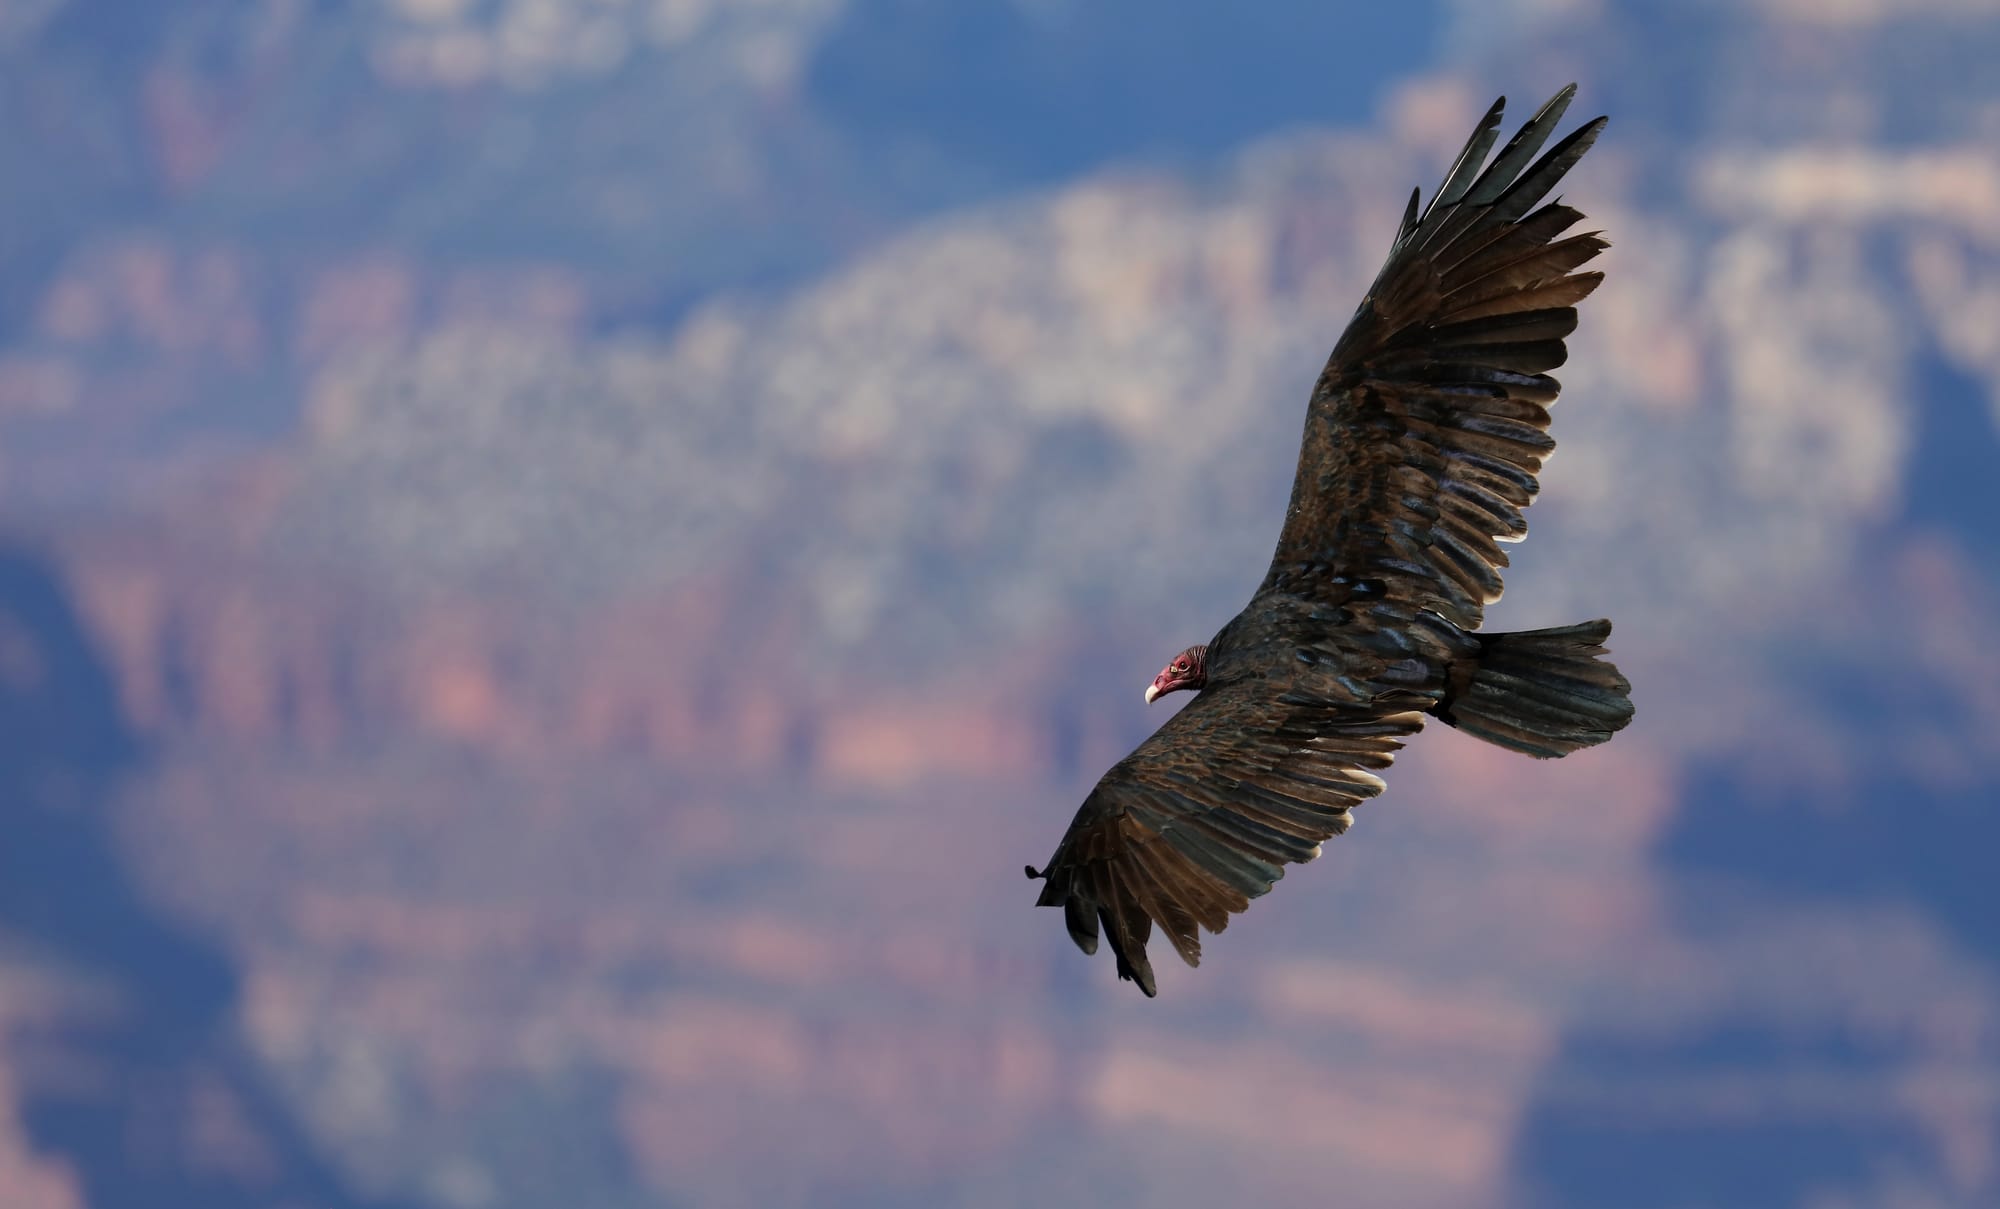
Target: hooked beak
(1152,693)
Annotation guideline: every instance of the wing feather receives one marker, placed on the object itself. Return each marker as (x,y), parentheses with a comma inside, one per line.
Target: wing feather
(1460,177)
(1426,432)
(1523,146)
(1205,815)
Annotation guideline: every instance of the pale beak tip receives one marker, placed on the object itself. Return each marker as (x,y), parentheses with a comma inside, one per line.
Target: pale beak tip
(1152,692)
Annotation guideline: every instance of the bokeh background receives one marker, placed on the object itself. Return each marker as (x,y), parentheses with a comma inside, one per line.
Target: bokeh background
(557,557)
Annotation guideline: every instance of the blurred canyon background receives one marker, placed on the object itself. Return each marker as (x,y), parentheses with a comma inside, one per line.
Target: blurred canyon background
(557,557)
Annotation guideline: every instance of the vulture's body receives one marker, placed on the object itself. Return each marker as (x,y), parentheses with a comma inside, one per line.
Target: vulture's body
(1423,440)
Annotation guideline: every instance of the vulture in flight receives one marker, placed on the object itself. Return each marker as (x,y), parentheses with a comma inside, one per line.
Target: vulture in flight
(1423,439)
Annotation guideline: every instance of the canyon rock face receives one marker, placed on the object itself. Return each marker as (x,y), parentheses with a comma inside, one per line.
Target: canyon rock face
(559,563)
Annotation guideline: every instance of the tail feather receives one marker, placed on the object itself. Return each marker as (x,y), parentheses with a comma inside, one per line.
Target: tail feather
(1542,692)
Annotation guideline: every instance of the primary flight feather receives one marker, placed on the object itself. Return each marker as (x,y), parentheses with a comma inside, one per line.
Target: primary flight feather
(1423,439)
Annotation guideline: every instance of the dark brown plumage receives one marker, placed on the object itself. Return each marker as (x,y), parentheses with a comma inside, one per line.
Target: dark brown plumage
(1423,439)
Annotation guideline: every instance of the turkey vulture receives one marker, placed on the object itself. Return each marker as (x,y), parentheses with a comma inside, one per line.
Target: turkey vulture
(1423,438)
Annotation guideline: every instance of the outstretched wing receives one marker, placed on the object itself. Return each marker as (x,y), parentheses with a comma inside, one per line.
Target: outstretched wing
(1429,424)
(1203,816)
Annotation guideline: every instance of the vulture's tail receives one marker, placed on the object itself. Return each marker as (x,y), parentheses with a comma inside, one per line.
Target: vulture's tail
(1543,692)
